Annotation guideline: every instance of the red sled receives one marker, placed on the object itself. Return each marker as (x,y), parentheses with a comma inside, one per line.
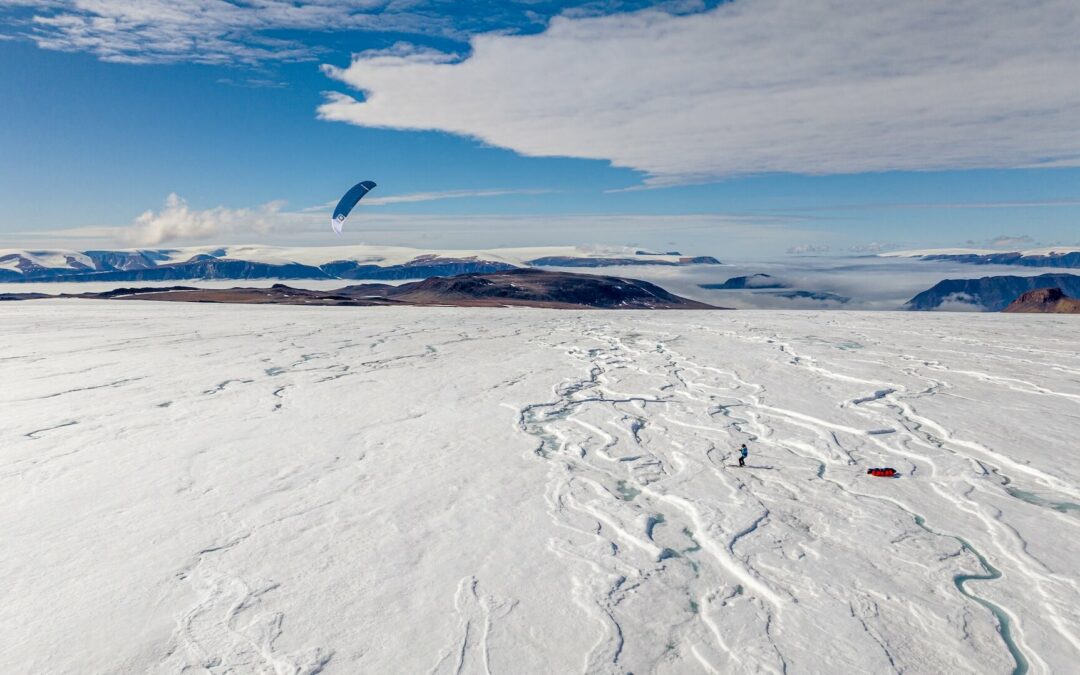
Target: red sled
(886,472)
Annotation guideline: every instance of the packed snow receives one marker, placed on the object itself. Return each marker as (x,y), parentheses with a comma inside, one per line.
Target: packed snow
(259,489)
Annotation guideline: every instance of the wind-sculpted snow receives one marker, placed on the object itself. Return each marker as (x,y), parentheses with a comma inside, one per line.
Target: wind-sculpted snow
(261,489)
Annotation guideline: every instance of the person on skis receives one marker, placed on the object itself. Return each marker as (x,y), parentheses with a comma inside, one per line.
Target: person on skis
(743,452)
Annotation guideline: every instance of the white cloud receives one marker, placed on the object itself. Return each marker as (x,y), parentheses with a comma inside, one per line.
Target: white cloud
(805,86)
(242,31)
(959,302)
(211,31)
(178,221)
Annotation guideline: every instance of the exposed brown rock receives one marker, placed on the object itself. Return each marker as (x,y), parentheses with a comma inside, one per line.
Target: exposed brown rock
(1044,301)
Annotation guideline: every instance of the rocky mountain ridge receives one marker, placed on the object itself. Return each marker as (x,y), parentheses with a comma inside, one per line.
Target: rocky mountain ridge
(990,294)
(1044,301)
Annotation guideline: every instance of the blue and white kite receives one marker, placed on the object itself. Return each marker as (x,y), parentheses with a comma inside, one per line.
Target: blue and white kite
(348,202)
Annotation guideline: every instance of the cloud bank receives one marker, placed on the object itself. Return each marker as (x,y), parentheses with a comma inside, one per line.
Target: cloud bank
(753,86)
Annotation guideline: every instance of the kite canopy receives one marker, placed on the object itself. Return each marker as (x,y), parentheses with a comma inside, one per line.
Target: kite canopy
(341,212)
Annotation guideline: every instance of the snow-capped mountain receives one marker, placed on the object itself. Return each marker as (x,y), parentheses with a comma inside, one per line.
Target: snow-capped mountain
(1039,257)
(334,262)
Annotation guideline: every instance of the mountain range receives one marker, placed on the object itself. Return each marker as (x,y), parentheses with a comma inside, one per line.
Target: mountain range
(519,287)
(991,294)
(344,262)
(1068,257)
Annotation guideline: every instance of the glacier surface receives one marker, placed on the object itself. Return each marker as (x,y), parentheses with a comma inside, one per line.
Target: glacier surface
(254,489)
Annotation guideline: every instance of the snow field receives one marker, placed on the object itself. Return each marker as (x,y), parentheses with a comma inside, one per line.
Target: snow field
(339,490)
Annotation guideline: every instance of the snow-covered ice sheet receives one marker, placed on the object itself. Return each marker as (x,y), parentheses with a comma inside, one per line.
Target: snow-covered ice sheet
(252,489)
(1047,250)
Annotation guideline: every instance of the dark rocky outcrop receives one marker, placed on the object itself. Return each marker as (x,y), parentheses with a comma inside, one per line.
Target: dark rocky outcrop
(542,289)
(820,296)
(1044,301)
(421,267)
(754,281)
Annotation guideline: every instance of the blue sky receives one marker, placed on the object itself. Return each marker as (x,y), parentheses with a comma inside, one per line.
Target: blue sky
(751,128)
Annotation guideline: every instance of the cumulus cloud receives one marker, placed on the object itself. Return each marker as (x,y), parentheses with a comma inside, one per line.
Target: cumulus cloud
(176,220)
(804,86)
